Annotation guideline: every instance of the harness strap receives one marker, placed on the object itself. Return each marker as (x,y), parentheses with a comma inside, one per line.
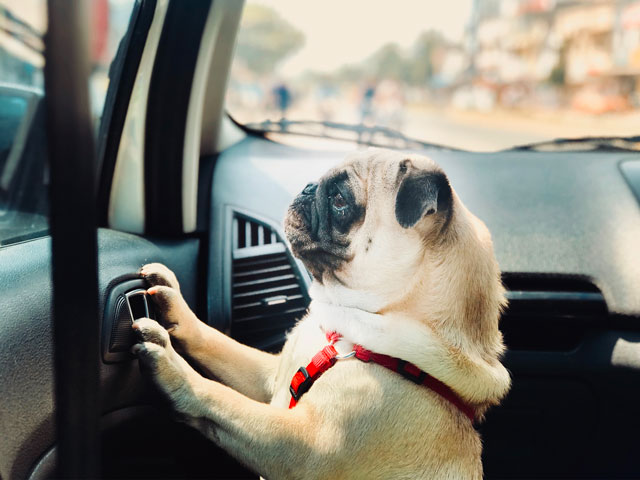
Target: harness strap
(305,376)
(326,358)
(413,373)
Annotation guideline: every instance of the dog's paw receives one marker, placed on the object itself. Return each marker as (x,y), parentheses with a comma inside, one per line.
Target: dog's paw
(174,314)
(156,274)
(150,331)
(169,371)
(169,305)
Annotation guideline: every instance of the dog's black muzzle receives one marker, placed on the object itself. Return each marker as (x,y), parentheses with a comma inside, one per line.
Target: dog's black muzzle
(305,204)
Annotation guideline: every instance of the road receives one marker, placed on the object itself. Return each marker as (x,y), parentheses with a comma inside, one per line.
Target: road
(500,129)
(468,133)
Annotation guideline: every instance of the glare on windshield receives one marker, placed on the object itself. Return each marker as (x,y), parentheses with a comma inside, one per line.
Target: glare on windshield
(473,74)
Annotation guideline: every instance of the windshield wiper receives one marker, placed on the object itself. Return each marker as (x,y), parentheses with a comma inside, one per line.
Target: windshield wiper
(585,144)
(377,136)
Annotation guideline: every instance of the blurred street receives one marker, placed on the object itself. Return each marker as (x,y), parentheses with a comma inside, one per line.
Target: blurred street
(483,131)
(498,130)
(467,131)
(515,73)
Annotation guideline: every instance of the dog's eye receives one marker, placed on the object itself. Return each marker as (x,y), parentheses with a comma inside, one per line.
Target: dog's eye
(338,202)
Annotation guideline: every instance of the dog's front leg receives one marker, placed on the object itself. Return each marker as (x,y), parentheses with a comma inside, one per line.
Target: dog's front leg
(169,371)
(275,442)
(245,369)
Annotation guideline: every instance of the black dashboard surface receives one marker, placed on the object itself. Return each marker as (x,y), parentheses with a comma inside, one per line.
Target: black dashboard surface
(565,213)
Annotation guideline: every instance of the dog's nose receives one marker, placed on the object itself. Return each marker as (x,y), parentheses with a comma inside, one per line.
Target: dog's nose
(310,189)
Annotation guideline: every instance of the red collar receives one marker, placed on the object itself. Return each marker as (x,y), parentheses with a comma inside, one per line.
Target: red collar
(327,357)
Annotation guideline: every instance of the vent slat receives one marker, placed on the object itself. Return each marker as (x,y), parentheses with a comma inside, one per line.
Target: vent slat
(258,315)
(247,234)
(234,233)
(281,299)
(292,300)
(266,288)
(291,295)
(260,281)
(290,315)
(262,271)
(267,292)
(257,265)
(271,250)
(260,258)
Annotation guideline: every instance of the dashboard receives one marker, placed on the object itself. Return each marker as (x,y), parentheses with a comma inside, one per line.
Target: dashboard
(567,214)
(566,233)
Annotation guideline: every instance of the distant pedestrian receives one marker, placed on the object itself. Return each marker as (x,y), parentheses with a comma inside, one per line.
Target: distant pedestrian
(366,113)
(366,105)
(282,96)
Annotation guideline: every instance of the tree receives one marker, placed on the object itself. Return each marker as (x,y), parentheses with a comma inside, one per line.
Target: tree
(265,39)
(388,62)
(421,65)
(350,74)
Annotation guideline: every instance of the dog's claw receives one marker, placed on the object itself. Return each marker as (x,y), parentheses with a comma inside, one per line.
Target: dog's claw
(158,274)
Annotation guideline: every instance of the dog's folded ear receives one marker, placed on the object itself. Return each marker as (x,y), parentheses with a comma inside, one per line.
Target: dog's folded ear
(421,194)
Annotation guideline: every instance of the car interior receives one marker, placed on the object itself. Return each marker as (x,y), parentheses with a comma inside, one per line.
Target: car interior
(179,181)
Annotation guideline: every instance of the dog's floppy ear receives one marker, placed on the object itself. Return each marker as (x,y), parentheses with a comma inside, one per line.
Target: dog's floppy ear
(421,194)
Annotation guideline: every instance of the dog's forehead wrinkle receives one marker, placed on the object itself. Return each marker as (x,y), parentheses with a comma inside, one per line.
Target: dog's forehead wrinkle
(357,171)
(339,175)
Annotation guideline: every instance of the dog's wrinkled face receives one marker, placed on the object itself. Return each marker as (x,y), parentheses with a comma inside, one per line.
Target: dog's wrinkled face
(367,224)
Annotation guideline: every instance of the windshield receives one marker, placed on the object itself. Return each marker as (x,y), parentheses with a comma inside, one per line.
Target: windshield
(479,75)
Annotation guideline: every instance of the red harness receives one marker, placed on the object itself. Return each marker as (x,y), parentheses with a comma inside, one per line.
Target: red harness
(327,357)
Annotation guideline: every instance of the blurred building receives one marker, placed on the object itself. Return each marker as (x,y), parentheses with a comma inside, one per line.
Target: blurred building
(22,24)
(585,55)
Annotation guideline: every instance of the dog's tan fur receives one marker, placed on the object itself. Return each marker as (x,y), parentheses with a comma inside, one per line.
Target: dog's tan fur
(428,294)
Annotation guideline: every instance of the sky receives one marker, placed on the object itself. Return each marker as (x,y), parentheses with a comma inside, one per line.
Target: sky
(340,32)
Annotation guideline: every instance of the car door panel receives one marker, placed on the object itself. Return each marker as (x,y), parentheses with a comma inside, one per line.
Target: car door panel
(26,367)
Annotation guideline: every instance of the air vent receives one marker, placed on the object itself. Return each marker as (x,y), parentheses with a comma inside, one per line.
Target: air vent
(550,313)
(268,292)
(250,233)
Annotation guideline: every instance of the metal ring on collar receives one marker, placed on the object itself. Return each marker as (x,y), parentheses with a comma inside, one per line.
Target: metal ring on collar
(346,355)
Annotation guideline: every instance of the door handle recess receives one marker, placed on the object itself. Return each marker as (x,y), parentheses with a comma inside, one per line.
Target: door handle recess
(137,304)
(126,302)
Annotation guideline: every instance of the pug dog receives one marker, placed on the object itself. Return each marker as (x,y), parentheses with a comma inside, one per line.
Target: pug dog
(401,270)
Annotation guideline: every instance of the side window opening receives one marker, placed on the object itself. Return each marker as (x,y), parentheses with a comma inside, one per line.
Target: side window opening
(24,179)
